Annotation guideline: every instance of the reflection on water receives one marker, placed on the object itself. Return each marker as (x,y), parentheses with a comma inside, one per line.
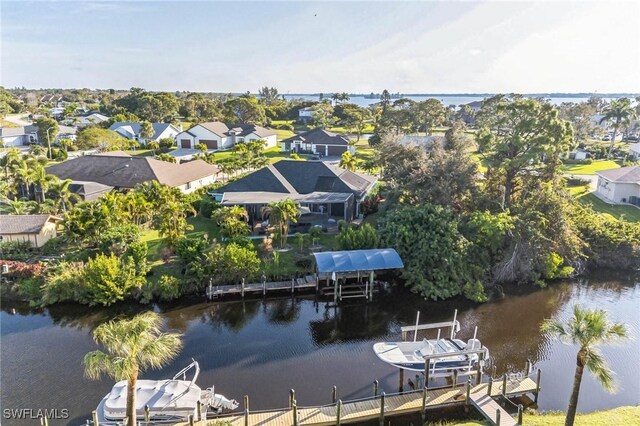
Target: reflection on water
(264,348)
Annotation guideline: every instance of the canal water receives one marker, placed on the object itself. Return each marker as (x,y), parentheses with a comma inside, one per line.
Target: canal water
(264,348)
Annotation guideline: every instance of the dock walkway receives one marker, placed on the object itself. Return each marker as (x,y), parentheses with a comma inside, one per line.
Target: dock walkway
(395,404)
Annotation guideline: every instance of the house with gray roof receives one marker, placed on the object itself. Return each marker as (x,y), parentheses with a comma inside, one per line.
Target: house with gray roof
(131,131)
(122,171)
(18,136)
(318,141)
(620,185)
(320,187)
(36,229)
(217,135)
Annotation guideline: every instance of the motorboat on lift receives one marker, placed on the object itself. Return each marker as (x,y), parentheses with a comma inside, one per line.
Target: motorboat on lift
(444,354)
(167,400)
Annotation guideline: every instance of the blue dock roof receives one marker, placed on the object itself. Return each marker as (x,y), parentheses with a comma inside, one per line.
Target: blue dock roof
(358,260)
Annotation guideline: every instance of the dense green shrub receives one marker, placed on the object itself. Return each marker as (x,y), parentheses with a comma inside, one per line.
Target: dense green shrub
(364,237)
(117,239)
(109,279)
(64,283)
(166,288)
(16,250)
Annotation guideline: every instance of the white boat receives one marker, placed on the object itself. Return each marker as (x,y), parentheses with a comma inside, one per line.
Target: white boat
(445,355)
(168,400)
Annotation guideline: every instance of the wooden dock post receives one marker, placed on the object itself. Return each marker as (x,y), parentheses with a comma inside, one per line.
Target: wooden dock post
(537,386)
(245,401)
(338,412)
(199,411)
(468,397)
(375,388)
(520,414)
(527,368)
(426,373)
(246,417)
(479,370)
(94,416)
(490,385)
(242,288)
(401,383)
(424,404)
(295,412)
(504,384)
(334,394)
(498,417)
(371,276)
(292,285)
(146,413)
(292,397)
(455,379)
(264,286)
(382,409)
(190,419)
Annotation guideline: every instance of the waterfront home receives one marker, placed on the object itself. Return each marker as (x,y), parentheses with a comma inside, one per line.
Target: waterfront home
(620,185)
(578,154)
(323,189)
(132,130)
(36,229)
(18,136)
(634,151)
(122,171)
(318,141)
(305,115)
(217,135)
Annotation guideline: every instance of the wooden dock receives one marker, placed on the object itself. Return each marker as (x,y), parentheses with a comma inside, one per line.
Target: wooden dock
(381,406)
(306,283)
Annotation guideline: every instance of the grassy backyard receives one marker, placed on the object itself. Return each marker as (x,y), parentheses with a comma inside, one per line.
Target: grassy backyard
(616,416)
(589,169)
(628,213)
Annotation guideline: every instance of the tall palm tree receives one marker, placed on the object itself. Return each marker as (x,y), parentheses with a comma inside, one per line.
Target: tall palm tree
(132,345)
(66,198)
(587,328)
(336,97)
(42,181)
(280,214)
(619,113)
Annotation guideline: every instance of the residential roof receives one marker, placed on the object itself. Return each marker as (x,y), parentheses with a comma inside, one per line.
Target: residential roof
(244,198)
(221,129)
(629,174)
(358,260)
(123,171)
(17,131)
(130,129)
(301,177)
(24,224)
(87,189)
(319,137)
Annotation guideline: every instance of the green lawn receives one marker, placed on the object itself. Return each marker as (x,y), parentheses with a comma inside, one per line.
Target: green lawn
(284,134)
(616,416)
(589,169)
(628,213)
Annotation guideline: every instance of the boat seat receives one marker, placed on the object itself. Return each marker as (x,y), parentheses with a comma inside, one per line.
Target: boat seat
(427,349)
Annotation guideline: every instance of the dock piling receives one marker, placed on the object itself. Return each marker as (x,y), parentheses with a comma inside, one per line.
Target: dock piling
(401,382)
(537,386)
(415,332)
(504,384)
(382,409)
(295,412)
(527,368)
(94,416)
(246,417)
(292,285)
(424,404)
(199,411)
(455,379)
(497,417)
(489,385)
(468,397)
(190,419)
(375,388)
(245,401)
(146,413)
(292,397)
(242,288)
(338,412)
(334,394)
(520,414)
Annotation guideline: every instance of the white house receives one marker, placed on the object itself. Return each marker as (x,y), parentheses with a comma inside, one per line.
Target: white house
(132,131)
(217,135)
(18,136)
(620,185)
(579,154)
(305,115)
(634,151)
(89,119)
(318,141)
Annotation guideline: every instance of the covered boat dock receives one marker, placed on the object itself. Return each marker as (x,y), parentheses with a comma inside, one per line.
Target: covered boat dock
(339,266)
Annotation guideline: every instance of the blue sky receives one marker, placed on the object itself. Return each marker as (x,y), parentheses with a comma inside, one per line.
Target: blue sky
(411,47)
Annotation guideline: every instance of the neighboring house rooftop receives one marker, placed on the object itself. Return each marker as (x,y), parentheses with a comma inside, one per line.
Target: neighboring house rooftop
(301,177)
(319,137)
(17,131)
(221,129)
(133,129)
(629,174)
(24,224)
(120,170)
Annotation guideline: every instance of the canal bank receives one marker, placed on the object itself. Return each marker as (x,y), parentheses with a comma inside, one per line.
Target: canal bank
(263,348)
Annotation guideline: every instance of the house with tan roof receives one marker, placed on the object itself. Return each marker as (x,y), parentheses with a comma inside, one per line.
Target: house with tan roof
(122,171)
(217,135)
(36,229)
(620,185)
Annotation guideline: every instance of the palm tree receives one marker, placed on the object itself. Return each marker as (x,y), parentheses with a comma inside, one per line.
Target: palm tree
(587,328)
(66,198)
(132,345)
(348,161)
(336,97)
(42,181)
(146,131)
(619,113)
(280,214)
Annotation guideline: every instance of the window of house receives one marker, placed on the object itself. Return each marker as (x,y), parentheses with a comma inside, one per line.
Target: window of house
(188,185)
